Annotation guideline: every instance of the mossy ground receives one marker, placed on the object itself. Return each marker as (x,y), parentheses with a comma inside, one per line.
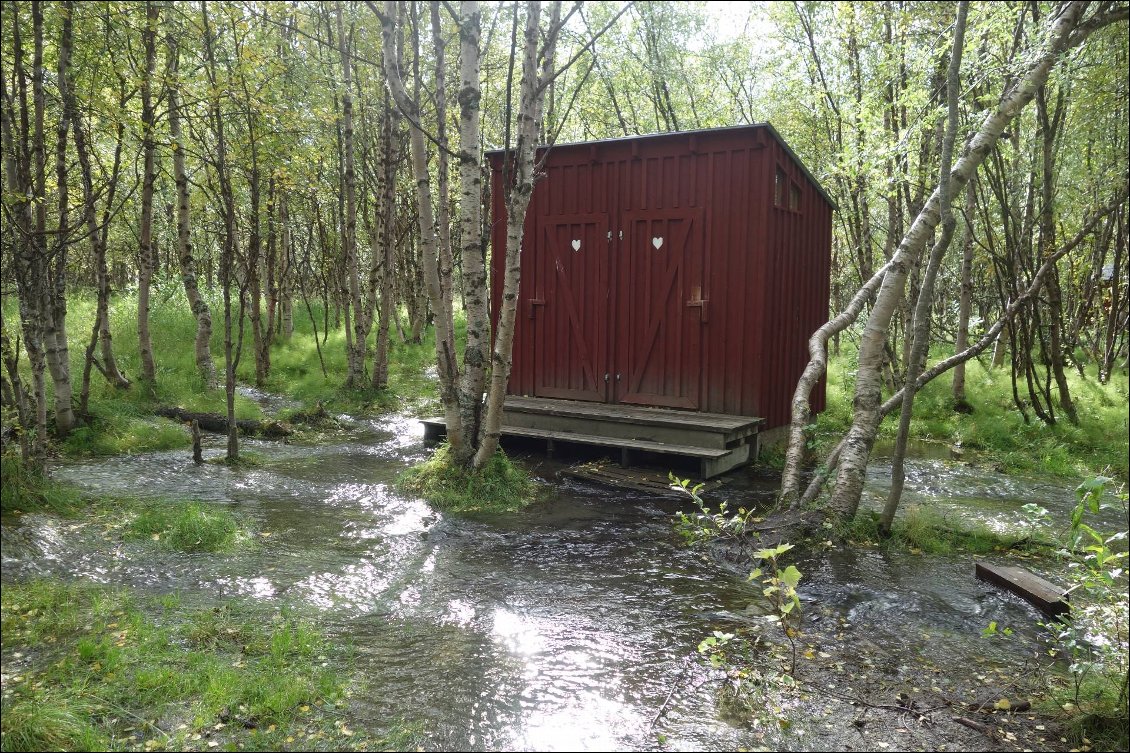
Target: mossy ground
(499,486)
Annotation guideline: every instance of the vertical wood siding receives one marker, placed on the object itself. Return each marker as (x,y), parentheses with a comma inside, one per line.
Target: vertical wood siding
(664,263)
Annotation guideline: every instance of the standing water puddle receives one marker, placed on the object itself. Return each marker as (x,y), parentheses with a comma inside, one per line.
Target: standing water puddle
(564,627)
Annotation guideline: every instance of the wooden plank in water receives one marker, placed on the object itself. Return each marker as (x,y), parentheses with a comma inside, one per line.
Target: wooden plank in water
(1047,597)
(635,479)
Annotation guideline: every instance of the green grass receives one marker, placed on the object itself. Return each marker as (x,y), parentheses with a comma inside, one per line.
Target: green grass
(922,530)
(121,421)
(500,486)
(101,669)
(995,432)
(26,489)
(186,526)
(296,371)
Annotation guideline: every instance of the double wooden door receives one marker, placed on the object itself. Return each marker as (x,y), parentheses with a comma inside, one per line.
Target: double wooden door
(618,307)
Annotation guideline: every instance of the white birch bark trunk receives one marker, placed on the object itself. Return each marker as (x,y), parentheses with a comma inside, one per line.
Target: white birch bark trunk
(517,202)
(475,287)
(921,332)
(461,446)
(149,175)
(965,304)
(205,366)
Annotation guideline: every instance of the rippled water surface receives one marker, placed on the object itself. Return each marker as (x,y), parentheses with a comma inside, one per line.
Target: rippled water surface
(567,626)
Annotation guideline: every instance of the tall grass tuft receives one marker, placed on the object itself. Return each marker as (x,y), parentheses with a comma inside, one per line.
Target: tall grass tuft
(499,486)
(187,526)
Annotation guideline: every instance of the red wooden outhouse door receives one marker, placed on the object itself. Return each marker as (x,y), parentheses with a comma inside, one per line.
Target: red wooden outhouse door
(658,327)
(618,314)
(570,308)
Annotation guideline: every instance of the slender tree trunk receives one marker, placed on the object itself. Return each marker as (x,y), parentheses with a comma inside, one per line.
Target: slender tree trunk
(1050,124)
(58,353)
(355,355)
(517,202)
(387,224)
(443,171)
(270,267)
(202,349)
(100,334)
(445,343)
(921,336)
(149,175)
(470,220)
(227,258)
(27,257)
(286,293)
(965,305)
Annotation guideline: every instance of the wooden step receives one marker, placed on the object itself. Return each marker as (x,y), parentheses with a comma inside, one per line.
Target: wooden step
(712,460)
(690,451)
(638,423)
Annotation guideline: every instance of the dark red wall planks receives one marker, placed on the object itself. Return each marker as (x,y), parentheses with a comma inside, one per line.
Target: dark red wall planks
(670,270)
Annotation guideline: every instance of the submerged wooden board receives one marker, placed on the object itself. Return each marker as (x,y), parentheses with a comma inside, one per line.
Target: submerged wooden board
(635,479)
(1045,596)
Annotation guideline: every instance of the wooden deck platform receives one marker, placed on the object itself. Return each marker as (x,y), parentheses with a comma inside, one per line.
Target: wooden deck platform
(717,442)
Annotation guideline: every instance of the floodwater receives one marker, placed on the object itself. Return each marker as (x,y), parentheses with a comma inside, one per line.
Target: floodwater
(572,625)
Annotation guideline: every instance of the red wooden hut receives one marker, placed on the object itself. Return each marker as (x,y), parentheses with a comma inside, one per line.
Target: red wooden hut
(671,272)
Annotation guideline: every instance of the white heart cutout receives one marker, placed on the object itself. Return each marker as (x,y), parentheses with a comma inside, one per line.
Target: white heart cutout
(576,245)
(657,242)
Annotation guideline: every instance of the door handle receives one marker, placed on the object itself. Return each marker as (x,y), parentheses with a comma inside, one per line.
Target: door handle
(534,303)
(699,302)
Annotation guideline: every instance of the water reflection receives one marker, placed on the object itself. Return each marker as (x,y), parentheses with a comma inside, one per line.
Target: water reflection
(564,628)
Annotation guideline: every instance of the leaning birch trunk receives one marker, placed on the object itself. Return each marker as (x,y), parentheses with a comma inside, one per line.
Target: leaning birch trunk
(446,366)
(205,366)
(149,176)
(831,462)
(517,202)
(965,306)
(921,338)
(470,219)
(817,366)
(868,393)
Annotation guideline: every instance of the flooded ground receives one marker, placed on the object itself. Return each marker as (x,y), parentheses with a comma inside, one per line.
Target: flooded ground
(572,625)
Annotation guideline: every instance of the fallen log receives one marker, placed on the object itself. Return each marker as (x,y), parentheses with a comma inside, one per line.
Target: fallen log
(214,422)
